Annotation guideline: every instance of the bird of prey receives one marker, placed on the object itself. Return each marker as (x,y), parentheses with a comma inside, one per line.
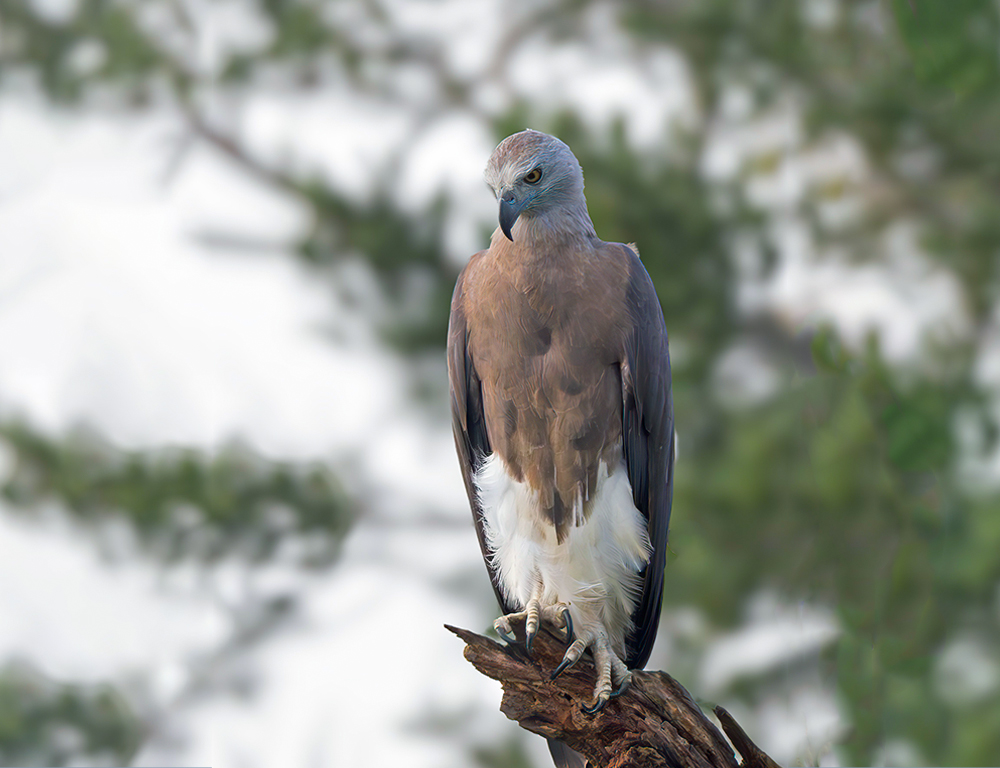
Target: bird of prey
(563,418)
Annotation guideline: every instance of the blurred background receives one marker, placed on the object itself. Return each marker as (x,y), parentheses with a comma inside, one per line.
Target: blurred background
(232,524)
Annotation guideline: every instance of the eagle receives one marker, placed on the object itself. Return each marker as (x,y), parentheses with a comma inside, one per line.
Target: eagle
(559,373)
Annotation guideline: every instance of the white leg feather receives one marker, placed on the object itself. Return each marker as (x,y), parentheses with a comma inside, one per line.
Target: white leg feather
(594,570)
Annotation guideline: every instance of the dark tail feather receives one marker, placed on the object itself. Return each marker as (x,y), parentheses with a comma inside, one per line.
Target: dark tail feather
(564,757)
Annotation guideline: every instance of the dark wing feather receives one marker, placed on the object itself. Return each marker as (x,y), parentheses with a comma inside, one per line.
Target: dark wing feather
(564,757)
(467,419)
(648,438)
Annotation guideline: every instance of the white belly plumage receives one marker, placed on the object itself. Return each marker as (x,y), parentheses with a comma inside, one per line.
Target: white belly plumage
(595,569)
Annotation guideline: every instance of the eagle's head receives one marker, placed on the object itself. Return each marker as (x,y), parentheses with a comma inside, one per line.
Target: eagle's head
(530,173)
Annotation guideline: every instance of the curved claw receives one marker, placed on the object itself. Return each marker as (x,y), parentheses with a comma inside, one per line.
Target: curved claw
(529,639)
(509,639)
(598,706)
(568,618)
(563,666)
(621,689)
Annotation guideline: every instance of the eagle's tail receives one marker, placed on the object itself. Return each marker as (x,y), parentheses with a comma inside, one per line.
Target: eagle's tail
(564,757)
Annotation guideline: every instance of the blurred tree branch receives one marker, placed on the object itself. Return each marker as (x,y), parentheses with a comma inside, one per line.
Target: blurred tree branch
(182,503)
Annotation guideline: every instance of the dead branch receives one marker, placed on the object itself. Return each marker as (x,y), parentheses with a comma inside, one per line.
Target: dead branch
(753,757)
(655,723)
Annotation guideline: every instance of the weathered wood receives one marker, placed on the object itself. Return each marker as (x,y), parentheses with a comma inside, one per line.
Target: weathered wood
(752,755)
(655,723)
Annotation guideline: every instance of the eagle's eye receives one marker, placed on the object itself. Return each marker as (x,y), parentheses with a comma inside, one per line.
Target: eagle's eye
(533,177)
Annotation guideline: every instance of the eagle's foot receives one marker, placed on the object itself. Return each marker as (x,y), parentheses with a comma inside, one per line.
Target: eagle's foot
(613,677)
(504,625)
(533,615)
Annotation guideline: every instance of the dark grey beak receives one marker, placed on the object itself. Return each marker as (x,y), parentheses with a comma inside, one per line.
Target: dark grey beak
(509,211)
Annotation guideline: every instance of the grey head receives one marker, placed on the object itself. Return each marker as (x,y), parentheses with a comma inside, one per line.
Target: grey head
(532,173)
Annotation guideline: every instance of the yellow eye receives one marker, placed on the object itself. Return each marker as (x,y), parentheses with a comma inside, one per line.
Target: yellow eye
(534,176)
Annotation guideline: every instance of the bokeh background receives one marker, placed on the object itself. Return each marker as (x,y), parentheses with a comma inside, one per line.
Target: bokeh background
(232,524)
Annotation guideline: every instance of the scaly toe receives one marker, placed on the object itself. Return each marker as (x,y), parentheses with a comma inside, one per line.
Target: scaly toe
(531,621)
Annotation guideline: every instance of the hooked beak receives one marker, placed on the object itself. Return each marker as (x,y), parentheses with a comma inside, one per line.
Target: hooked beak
(510,209)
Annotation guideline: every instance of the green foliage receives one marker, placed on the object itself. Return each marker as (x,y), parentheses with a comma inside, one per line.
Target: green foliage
(842,492)
(509,755)
(403,251)
(954,44)
(301,32)
(47,724)
(129,58)
(182,503)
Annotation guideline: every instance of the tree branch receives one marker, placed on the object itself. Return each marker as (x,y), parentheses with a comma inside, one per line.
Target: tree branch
(655,723)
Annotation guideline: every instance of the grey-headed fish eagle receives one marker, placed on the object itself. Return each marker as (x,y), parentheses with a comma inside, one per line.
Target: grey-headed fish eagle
(563,419)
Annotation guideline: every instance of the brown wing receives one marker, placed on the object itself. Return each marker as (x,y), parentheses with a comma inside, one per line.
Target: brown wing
(467,419)
(648,439)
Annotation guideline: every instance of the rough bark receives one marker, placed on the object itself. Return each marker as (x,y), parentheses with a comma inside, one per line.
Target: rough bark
(655,723)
